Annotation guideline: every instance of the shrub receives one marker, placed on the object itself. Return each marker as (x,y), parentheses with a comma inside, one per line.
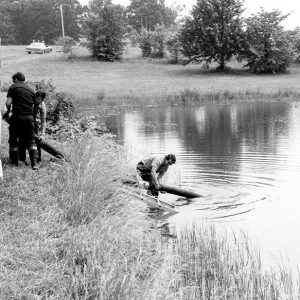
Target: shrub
(105,29)
(68,44)
(145,42)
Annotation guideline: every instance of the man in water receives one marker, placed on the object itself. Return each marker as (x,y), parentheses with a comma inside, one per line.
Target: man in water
(152,170)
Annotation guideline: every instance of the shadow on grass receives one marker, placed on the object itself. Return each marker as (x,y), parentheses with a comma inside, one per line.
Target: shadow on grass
(196,70)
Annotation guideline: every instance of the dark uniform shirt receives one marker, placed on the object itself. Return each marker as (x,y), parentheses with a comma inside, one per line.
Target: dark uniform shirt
(23,99)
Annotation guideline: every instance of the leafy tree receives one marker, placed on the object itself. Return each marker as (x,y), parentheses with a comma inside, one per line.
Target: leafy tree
(214,32)
(269,46)
(149,13)
(105,28)
(145,42)
(173,42)
(158,41)
(152,42)
(294,39)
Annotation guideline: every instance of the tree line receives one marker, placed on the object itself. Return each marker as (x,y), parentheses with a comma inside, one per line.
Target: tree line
(22,21)
(215,31)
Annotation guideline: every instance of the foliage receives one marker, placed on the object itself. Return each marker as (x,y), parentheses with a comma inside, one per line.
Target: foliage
(173,44)
(145,42)
(149,13)
(105,28)
(27,20)
(67,43)
(7,27)
(158,41)
(294,39)
(214,32)
(62,121)
(152,42)
(269,48)
(132,35)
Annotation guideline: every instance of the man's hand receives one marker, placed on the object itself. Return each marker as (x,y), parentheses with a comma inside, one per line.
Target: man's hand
(5,116)
(157,186)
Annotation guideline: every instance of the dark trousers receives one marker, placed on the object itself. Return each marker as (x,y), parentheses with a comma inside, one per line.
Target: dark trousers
(21,132)
(22,148)
(145,174)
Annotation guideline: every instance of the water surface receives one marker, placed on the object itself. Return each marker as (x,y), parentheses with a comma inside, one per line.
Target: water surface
(243,158)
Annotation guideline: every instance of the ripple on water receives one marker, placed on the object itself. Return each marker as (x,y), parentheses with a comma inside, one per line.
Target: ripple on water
(231,194)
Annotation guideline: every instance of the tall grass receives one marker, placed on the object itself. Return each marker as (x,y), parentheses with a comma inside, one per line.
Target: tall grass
(194,97)
(213,268)
(69,231)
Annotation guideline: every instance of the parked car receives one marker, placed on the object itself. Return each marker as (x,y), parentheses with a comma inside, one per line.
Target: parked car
(38,47)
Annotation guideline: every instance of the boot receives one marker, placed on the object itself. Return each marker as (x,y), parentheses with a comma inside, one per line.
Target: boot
(22,154)
(39,155)
(14,157)
(33,155)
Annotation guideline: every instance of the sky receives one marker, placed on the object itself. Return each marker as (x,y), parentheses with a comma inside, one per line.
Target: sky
(251,6)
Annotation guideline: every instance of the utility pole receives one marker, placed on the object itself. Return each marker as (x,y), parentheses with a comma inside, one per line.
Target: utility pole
(62,22)
(0,52)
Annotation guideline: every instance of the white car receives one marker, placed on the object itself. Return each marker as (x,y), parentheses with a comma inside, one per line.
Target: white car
(38,47)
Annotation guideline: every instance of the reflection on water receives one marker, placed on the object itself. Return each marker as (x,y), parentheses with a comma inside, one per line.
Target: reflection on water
(244,159)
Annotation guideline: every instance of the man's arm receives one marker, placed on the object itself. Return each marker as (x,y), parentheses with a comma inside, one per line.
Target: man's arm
(155,165)
(8,108)
(43,113)
(8,104)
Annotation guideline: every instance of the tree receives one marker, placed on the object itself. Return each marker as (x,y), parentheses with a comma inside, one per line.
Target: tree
(145,42)
(105,28)
(214,32)
(7,28)
(149,13)
(158,41)
(40,19)
(173,42)
(294,39)
(152,42)
(269,46)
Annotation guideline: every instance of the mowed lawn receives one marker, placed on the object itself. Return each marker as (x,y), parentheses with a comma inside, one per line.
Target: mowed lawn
(92,80)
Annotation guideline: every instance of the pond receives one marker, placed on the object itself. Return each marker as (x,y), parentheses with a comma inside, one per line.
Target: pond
(243,158)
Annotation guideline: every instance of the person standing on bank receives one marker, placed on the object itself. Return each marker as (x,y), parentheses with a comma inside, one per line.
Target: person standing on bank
(152,170)
(39,116)
(40,109)
(21,102)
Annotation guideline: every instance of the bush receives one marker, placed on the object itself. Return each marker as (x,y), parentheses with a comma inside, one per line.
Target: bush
(105,29)
(68,44)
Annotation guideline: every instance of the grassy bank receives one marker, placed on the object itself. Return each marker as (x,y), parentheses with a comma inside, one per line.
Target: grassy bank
(69,231)
(137,81)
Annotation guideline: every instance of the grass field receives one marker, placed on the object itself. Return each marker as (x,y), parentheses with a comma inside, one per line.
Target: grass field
(69,231)
(144,81)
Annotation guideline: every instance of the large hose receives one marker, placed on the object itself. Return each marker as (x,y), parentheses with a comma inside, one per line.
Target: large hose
(48,148)
(178,191)
(41,143)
